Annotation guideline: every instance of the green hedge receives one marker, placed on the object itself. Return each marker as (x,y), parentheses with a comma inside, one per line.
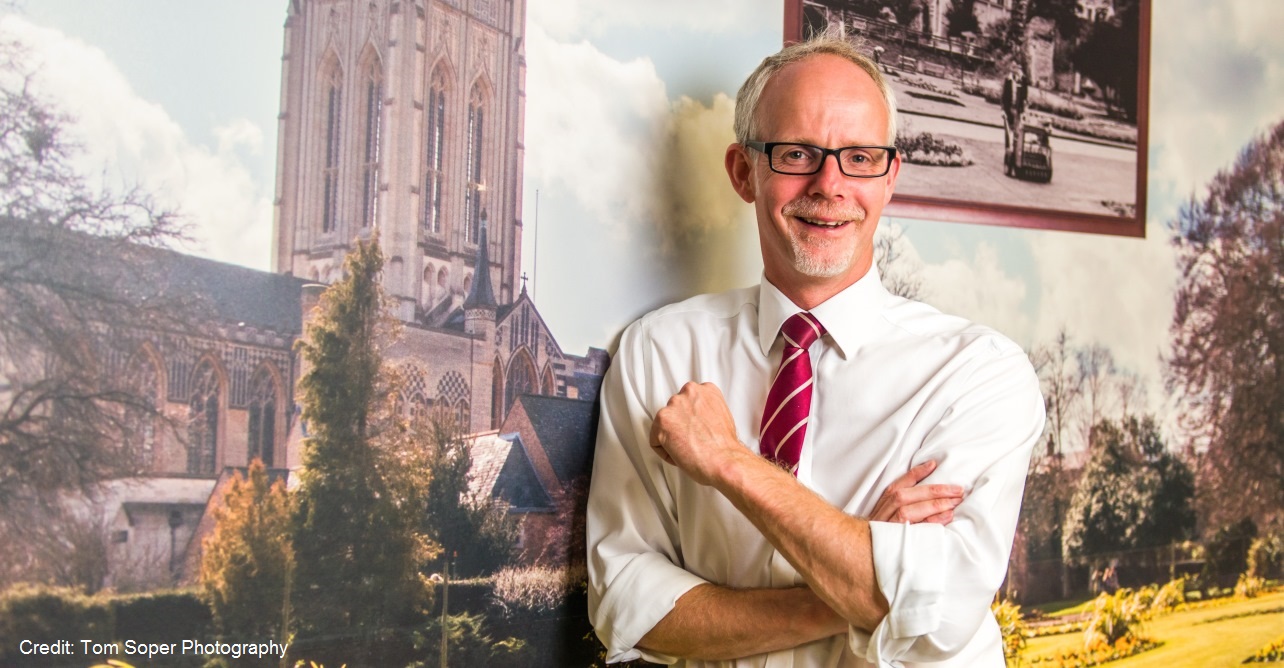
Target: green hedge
(49,614)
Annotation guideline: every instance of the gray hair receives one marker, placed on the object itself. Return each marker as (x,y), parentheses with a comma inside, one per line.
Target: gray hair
(833,42)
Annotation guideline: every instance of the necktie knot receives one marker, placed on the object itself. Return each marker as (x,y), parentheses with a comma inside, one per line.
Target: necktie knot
(801,330)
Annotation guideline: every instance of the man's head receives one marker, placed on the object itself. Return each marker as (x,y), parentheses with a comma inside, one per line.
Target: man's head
(816,230)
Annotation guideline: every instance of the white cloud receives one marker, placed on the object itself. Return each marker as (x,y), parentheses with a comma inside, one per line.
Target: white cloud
(1113,291)
(593,126)
(979,289)
(580,18)
(131,141)
(1216,72)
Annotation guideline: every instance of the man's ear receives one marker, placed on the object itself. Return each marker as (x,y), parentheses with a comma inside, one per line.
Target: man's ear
(740,171)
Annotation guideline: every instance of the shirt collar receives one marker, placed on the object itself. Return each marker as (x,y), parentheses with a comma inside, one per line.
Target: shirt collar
(850,317)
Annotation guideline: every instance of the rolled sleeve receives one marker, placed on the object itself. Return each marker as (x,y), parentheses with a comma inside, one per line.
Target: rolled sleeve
(938,580)
(635,576)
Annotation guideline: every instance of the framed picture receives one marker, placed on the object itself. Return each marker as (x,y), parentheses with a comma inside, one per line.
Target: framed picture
(1012,112)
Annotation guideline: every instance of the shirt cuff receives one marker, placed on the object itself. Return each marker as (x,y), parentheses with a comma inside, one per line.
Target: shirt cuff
(639,596)
(910,573)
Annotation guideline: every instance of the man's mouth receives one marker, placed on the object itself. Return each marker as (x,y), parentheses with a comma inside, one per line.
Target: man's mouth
(816,222)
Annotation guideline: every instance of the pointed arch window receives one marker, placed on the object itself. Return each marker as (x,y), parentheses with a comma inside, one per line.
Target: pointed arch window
(370,153)
(202,420)
(263,404)
(330,165)
(521,379)
(436,153)
(476,140)
(144,380)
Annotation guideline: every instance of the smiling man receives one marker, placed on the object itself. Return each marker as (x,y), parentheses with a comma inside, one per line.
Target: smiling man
(812,471)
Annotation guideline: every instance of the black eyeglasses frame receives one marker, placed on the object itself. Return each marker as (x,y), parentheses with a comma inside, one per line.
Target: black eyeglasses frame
(766,148)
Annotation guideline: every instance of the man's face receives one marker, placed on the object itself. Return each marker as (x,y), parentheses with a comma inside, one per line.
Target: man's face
(816,231)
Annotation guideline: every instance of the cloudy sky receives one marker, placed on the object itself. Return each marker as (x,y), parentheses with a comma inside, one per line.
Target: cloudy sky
(627,117)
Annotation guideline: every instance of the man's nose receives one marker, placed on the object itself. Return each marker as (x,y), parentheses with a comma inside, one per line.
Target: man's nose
(830,179)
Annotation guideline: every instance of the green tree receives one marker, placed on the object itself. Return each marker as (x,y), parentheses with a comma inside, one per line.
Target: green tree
(1227,359)
(357,539)
(247,560)
(1133,493)
(475,532)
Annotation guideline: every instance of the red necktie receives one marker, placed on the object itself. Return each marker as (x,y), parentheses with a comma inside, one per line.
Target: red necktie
(784,418)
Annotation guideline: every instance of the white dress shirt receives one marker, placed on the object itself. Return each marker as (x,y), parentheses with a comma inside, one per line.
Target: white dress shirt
(896,383)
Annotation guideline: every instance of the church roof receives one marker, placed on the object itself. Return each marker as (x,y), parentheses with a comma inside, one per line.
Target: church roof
(501,469)
(567,430)
(236,294)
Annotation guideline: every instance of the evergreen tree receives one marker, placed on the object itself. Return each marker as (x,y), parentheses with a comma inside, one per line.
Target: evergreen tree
(247,559)
(357,535)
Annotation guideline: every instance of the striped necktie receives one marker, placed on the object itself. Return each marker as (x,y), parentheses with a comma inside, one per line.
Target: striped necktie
(785,416)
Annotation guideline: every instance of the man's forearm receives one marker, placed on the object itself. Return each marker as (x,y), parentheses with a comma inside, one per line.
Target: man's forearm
(830,549)
(713,623)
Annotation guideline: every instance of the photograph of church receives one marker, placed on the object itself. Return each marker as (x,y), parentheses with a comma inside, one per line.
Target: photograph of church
(398,121)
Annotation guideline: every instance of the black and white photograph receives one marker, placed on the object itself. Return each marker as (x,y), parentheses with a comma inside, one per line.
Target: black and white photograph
(1029,113)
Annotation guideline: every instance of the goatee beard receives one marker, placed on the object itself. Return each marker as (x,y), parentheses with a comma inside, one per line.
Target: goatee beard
(810,259)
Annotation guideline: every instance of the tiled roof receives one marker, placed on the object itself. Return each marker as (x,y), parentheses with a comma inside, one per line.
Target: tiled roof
(567,428)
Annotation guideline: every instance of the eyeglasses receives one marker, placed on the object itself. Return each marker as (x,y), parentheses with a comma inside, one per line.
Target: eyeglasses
(862,162)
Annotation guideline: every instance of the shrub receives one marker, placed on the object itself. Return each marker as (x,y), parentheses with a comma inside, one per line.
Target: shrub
(1265,555)
(536,588)
(468,644)
(49,614)
(1248,586)
(1115,617)
(1169,596)
(1012,624)
(925,149)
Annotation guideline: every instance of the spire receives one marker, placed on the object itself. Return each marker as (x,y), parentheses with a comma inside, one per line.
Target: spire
(481,294)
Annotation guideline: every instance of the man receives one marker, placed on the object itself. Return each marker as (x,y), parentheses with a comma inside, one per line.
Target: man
(706,552)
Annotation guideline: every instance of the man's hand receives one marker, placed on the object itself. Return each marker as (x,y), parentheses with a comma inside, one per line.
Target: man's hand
(695,431)
(905,501)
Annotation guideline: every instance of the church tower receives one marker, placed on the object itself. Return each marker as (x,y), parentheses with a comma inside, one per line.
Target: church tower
(403,118)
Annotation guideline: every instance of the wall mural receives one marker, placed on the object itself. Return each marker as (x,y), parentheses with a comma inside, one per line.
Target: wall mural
(190,228)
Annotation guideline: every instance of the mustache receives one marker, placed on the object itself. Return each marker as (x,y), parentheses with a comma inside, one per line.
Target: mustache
(811,207)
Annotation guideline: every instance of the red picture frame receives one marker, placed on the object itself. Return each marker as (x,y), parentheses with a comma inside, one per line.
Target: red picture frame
(1095,175)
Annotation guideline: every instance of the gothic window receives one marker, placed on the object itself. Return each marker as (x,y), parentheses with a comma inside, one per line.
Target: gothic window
(521,379)
(144,380)
(461,415)
(330,165)
(549,385)
(476,140)
(436,134)
(263,403)
(370,153)
(202,420)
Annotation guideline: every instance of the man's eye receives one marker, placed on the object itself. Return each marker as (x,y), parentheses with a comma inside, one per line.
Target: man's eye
(795,155)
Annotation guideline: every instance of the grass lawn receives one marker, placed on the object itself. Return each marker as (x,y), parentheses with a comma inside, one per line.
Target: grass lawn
(1187,641)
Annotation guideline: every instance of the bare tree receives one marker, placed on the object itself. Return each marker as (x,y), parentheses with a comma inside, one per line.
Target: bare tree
(1227,361)
(899,275)
(76,286)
